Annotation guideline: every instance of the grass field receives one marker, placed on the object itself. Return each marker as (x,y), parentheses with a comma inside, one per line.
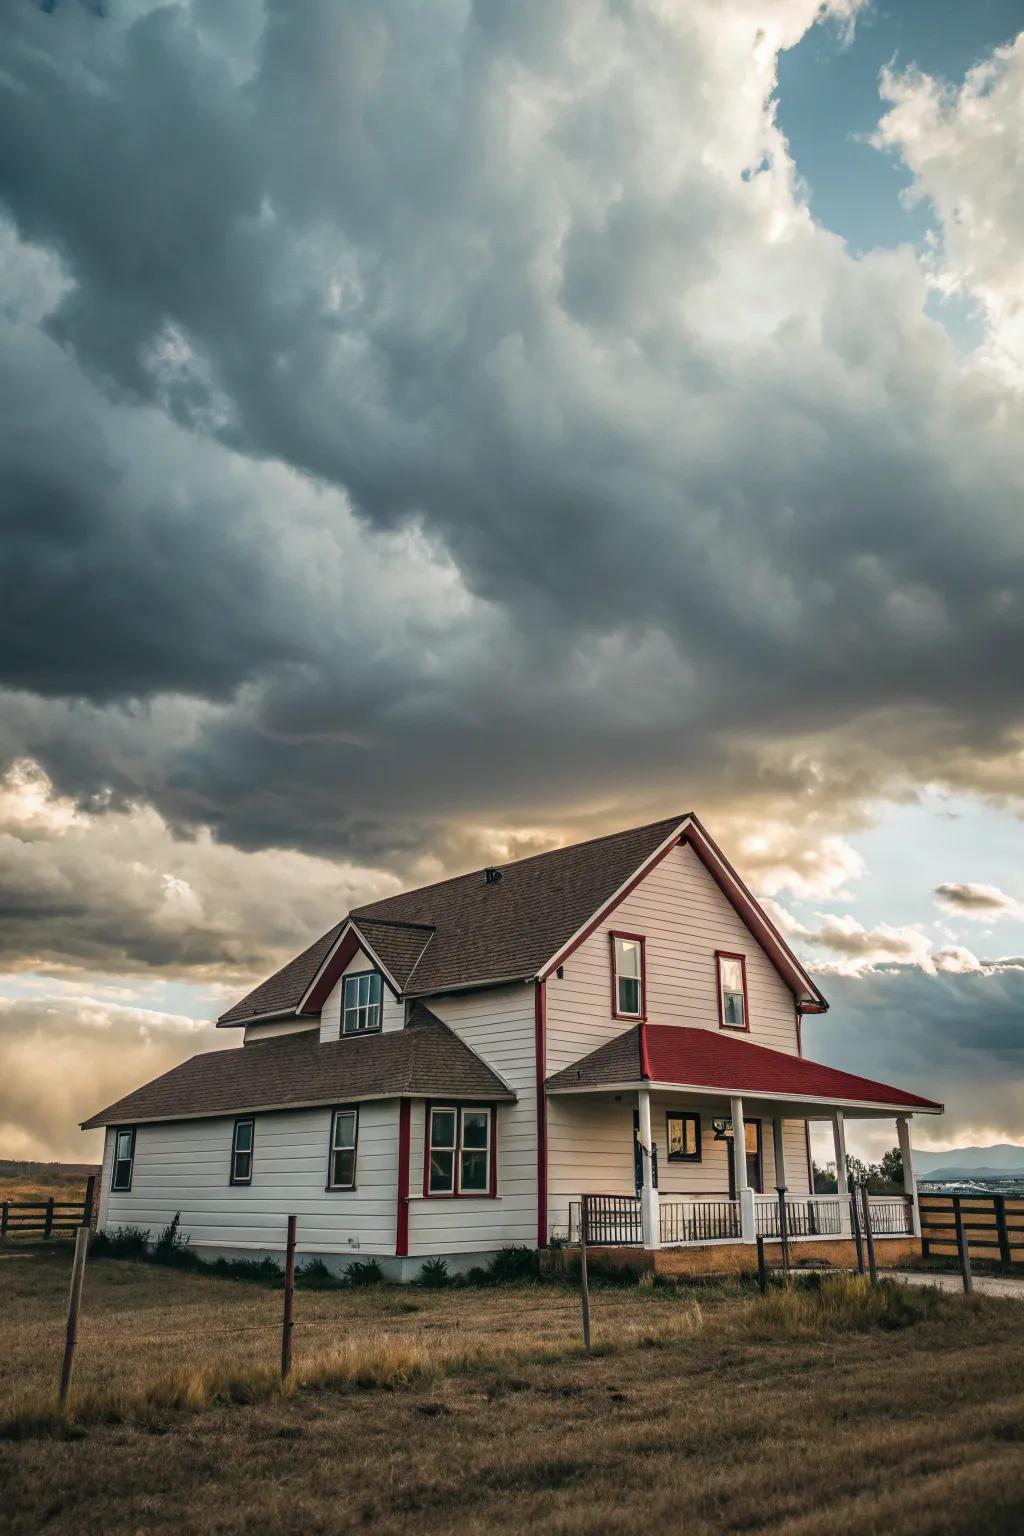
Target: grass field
(38,1181)
(474,1410)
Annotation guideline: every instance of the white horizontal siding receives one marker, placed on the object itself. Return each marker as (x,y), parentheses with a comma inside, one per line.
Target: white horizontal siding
(184,1166)
(684,919)
(499,1025)
(254,1032)
(392,1008)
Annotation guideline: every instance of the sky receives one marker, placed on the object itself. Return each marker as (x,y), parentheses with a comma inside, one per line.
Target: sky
(435,434)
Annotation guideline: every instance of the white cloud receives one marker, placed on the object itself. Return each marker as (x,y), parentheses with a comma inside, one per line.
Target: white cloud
(981,903)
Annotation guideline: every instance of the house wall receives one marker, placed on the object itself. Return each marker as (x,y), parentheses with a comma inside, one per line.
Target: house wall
(499,1025)
(684,918)
(254,1032)
(184,1166)
(392,1008)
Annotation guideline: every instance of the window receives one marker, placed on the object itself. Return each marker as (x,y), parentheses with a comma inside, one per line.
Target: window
(732,992)
(628,978)
(460,1152)
(360,1007)
(341,1172)
(682,1134)
(241,1152)
(124,1161)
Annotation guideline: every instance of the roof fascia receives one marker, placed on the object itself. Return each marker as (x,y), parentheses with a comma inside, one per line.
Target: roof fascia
(329,960)
(256,1018)
(607,907)
(731,1090)
(503,1096)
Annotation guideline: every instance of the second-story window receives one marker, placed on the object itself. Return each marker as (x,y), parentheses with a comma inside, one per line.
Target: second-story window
(360,1003)
(628,978)
(733,1012)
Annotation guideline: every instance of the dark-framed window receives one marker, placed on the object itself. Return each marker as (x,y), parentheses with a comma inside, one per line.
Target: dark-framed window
(733,1007)
(123,1162)
(341,1160)
(242,1141)
(361,994)
(629,976)
(682,1136)
(460,1152)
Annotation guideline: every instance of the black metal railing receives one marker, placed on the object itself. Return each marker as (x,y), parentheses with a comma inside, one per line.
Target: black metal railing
(699,1221)
(612,1221)
(804,1218)
(890,1217)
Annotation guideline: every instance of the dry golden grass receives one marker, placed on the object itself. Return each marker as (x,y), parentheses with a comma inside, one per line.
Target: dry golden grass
(829,1414)
(38,1181)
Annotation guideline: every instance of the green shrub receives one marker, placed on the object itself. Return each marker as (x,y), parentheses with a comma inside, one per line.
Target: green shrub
(511,1266)
(122,1243)
(314,1275)
(257,1271)
(364,1272)
(171,1248)
(433,1275)
(475,1276)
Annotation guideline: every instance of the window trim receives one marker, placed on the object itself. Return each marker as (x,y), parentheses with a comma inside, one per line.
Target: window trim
(459,1106)
(346,1034)
(332,1120)
(683,1157)
(726,954)
(633,938)
(233,1178)
(115,1188)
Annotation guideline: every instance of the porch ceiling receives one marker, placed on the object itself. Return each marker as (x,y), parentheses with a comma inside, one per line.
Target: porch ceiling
(707,1065)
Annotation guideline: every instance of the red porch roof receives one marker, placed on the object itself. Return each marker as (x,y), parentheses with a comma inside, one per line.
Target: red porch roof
(683,1057)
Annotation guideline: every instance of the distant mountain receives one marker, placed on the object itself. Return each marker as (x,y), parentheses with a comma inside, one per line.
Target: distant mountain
(1001,1162)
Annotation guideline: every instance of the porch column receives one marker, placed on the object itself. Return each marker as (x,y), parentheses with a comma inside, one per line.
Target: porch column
(839,1137)
(909,1182)
(650,1209)
(744,1194)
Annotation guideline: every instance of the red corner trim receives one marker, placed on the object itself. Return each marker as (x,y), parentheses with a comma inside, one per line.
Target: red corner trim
(645,1060)
(540,1007)
(404,1146)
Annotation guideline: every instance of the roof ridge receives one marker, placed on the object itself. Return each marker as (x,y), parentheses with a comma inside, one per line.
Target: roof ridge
(530,858)
(388,922)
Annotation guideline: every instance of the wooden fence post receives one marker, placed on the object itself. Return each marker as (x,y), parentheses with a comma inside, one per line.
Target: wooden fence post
(762,1273)
(74,1304)
(858,1235)
(584,1285)
(3,1220)
(961,1247)
(1003,1234)
(48,1222)
(869,1236)
(90,1195)
(288,1323)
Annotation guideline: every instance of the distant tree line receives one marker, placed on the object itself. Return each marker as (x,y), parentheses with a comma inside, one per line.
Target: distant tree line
(882,1178)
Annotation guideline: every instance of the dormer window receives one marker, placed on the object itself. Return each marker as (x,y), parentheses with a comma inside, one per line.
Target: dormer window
(360,1004)
(628,976)
(733,1012)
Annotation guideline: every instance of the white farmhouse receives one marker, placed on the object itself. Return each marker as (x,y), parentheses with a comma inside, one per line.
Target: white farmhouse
(448,1071)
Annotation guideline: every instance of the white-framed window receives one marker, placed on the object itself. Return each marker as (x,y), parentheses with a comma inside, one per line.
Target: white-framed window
(360,1003)
(628,976)
(124,1159)
(341,1170)
(241,1151)
(733,1012)
(460,1158)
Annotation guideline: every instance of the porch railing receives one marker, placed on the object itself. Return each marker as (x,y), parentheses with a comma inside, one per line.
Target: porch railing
(612,1221)
(806,1215)
(891,1216)
(700,1221)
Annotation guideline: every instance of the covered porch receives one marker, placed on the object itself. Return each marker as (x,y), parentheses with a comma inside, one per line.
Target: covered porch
(708,1165)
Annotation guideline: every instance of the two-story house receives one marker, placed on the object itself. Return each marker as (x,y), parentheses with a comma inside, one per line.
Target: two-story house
(447,1071)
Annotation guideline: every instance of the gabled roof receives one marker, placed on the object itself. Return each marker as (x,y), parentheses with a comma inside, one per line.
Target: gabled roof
(468,931)
(426,1059)
(683,1057)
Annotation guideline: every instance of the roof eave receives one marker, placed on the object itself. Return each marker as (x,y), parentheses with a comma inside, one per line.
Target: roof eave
(731,1090)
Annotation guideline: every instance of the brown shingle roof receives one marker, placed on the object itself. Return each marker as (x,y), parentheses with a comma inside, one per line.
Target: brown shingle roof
(423,1060)
(482,932)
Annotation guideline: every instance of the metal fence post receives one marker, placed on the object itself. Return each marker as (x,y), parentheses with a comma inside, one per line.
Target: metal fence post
(869,1236)
(288,1324)
(584,1285)
(858,1236)
(783,1228)
(762,1273)
(961,1247)
(74,1304)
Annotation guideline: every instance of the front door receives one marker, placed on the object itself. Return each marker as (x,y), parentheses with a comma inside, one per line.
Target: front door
(753,1135)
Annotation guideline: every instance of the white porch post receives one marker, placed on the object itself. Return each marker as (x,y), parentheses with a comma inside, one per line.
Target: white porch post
(744,1194)
(650,1210)
(909,1183)
(780,1154)
(839,1137)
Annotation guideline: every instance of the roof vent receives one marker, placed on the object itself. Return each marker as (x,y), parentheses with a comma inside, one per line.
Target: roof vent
(492,875)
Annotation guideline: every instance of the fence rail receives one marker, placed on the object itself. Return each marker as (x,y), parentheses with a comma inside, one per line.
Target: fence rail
(992,1225)
(46,1217)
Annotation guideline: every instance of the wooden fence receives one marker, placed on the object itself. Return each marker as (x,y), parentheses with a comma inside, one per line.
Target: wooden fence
(46,1218)
(993,1226)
